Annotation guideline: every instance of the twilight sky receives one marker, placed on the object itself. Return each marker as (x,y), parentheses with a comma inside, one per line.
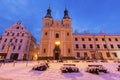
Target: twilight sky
(92,15)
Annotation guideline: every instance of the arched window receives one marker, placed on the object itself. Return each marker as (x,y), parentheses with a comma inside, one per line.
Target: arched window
(57,35)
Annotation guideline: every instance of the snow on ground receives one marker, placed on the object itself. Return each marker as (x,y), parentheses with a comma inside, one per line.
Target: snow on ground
(22,72)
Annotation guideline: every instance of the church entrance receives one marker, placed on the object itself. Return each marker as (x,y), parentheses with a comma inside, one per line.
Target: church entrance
(56,53)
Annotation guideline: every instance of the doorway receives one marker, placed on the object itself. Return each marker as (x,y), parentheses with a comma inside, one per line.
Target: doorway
(14,56)
(56,53)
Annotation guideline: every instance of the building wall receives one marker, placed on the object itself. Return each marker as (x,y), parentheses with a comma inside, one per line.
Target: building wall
(112,43)
(15,42)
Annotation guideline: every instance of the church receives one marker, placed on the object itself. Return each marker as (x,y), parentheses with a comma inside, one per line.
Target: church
(58,42)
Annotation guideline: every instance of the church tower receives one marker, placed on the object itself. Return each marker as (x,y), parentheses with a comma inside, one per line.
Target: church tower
(56,39)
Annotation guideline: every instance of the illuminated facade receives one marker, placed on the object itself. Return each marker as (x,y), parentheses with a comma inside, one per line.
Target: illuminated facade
(17,43)
(58,41)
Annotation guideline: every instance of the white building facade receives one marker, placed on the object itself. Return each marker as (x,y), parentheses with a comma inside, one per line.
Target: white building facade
(17,43)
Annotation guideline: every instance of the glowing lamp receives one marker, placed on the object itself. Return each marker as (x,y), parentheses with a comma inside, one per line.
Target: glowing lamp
(57,43)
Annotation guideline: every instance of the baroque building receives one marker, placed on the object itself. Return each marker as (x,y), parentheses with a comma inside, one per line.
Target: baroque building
(58,41)
(17,43)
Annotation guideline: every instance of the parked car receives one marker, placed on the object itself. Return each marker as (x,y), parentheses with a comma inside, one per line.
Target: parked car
(41,67)
(69,68)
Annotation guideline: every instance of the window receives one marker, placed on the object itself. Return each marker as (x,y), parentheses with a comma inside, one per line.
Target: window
(46,33)
(103,39)
(78,54)
(96,39)
(12,34)
(69,50)
(19,47)
(89,39)
(116,39)
(115,54)
(83,39)
(8,34)
(98,46)
(17,34)
(10,40)
(5,40)
(13,47)
(108,54)
(44,50)
(3,47)
(109,39)
(118,45)
(17,27)
(67,34)
(85,54)
(112,46)
(91,46)
(77,46)
(57,35)
(105,46)
(76,39)
(21,40)
(15,40)
(22,34)
(84,46)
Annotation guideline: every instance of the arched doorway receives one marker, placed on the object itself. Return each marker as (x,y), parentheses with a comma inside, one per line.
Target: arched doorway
(56,53)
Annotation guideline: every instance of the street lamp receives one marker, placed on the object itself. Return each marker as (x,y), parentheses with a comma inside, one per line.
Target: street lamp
(57,42)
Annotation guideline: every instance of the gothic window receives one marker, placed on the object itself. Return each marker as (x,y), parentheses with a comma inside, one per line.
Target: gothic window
(57,35)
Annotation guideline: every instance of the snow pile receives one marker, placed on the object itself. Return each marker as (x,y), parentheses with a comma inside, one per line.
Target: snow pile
(21,71)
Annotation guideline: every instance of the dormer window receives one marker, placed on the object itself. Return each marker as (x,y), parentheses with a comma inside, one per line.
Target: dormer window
(17,27)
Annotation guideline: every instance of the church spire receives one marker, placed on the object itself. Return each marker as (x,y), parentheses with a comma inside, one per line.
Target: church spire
(66,14)
(48,13)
